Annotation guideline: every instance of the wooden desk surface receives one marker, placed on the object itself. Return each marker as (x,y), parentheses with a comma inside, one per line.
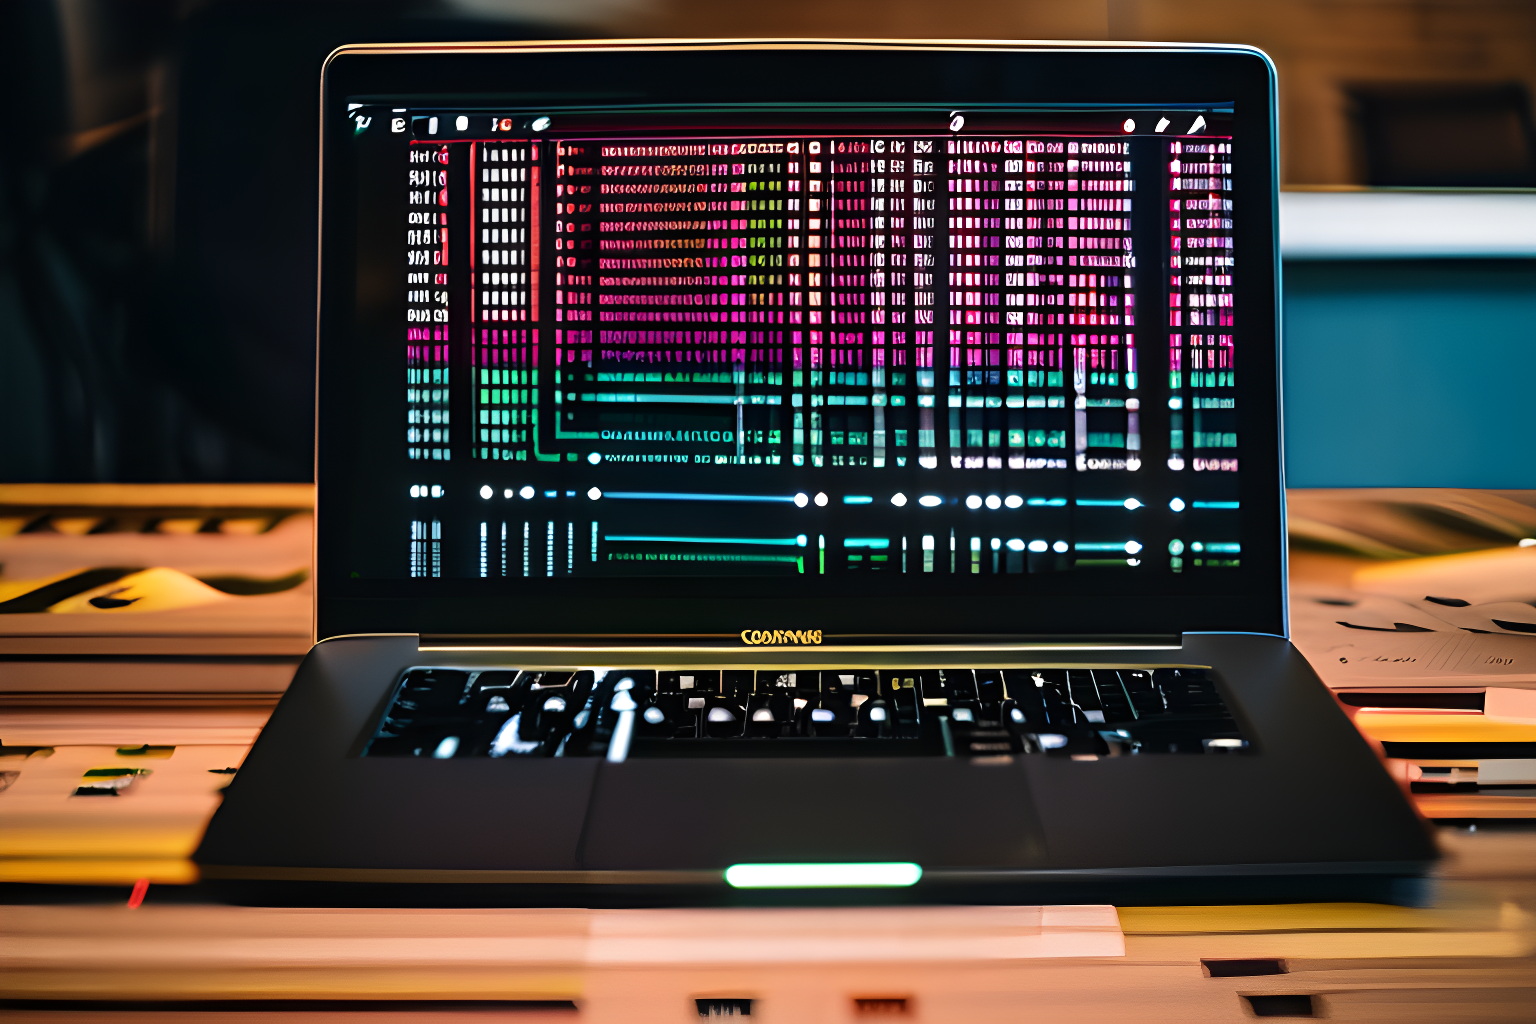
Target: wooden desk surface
(1469,956)
(117,685)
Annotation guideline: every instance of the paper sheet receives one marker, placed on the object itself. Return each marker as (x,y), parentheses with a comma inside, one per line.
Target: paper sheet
(1453,620)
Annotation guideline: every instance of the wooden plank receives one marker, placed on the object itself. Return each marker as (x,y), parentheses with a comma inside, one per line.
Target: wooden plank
(201,496)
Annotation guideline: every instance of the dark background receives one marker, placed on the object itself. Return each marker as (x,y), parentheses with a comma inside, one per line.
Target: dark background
(158,190)
(157,267)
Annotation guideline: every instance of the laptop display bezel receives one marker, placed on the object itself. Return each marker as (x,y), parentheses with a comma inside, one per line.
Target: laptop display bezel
(941,74)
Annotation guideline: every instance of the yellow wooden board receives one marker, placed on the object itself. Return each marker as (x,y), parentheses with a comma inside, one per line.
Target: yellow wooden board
(1393,727)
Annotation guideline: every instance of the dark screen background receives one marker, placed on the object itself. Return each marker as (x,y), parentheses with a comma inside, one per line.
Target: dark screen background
(710,343)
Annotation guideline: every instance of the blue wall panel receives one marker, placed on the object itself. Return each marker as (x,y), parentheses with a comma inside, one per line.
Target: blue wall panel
(1410,374)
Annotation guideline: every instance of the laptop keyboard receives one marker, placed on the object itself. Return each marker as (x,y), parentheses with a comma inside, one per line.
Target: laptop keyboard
(791,712)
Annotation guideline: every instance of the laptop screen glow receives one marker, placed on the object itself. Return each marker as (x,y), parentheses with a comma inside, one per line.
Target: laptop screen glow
(796,343)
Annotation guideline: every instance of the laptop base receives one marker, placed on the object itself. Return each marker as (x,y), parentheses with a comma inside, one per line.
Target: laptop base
(1304,811)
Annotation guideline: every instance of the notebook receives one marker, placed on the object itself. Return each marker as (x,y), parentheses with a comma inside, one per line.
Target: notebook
(802,470)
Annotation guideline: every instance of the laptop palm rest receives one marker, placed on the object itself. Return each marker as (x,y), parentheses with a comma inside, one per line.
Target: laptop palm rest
(937,812)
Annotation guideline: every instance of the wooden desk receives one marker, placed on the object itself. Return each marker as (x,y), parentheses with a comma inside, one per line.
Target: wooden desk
(1468,956)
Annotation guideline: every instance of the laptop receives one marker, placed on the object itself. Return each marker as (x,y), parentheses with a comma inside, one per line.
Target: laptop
(803,470)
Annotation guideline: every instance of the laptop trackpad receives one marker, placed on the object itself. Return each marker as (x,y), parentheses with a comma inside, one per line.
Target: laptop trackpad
(709,814)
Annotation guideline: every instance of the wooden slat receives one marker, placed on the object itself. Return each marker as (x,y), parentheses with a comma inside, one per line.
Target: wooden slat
(210,496)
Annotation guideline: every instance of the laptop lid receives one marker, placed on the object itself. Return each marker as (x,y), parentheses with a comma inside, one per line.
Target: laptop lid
(799,342)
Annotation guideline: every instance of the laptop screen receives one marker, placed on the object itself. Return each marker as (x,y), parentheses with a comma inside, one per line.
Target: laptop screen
(837,349)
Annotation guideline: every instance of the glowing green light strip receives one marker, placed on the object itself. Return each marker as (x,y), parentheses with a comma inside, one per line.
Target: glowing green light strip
(823,876)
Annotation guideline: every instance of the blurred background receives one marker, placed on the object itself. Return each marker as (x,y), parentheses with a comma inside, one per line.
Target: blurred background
(158,208)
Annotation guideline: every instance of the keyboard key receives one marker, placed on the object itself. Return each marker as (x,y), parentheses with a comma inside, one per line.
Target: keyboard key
(990,688)
(546,719)
(430,690)
(432,711)
(903,691)
(737,683)
(691,681)
(670,716)
(1146,698)
(876,719)
(496,679)
(592,725)
(977,729)
(965,711)
(832,715)
(544,680)
(1016,719)
(948,684)
(892,682)
(770,714)
(984,740)
(1112,696)
(1188,691)
(850,682)
(1085,696)
(786,681)
(724,717)
(643,678)
(1043,694)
